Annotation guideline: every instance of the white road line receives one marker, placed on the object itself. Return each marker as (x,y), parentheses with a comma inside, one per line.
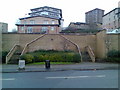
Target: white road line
(99,76)
(7,78)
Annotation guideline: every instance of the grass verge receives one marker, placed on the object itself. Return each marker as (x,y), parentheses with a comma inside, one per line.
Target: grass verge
(54,63)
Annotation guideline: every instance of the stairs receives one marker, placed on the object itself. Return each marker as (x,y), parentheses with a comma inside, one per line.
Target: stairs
(86,57)
(15,58)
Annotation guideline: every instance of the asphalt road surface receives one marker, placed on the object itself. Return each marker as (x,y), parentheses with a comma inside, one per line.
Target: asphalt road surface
(61,79)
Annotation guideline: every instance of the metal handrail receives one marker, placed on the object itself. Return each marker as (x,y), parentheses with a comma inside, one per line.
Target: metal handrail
(10,54)
(90,51)
(78,48)
(30,43)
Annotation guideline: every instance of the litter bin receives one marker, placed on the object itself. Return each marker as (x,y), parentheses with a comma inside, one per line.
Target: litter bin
(47,64)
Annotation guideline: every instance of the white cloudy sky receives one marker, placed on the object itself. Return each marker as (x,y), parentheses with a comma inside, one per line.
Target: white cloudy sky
(73,10)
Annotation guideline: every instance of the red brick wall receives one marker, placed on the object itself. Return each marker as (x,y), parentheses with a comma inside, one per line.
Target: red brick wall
(37,29)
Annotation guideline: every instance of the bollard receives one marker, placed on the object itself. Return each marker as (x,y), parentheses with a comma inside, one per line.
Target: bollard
(21,64)
(47,64)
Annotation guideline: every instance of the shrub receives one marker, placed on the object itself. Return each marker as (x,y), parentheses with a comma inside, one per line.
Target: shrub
(113,59)
(27,57)
(54,56)
(113,56)
(37,57)
(57,57)
(4,54)
(69,57)
(113,53)
(77,58)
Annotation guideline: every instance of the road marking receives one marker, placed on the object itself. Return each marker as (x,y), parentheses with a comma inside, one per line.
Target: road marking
(7,78)
(99,76)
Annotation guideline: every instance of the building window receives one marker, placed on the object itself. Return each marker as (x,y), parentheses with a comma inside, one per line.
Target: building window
(45,21)
(29,30)
(39,9)
(44,13)
(50,9)
(22,28)
(52,28)
(32,21)
(44,29)
(114,17)
(45,8)
(53,22)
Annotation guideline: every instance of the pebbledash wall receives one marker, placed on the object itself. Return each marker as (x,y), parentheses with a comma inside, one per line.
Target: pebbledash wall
(55,41)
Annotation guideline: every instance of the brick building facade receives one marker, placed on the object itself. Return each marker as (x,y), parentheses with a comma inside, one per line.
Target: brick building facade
(42,20)
(93,20)
(111,20)
(94,16)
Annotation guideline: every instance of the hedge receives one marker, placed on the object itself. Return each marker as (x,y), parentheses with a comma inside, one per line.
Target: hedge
(27,57)
(52,55)
(113,56)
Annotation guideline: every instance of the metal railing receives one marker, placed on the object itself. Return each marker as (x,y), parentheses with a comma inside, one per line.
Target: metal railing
(25,50)
(12,51)
(91,53)
(77,47)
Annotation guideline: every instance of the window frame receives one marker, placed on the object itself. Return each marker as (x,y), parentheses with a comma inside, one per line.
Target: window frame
(45,22)
(52,28)
(44,28)
(32,21)
(53,21)
(29,29)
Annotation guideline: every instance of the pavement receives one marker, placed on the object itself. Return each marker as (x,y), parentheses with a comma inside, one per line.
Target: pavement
(8,68)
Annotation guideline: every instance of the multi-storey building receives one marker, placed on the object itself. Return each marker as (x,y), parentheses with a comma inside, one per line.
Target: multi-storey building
(111,20)
(94,16)
(93,21)
(3,27)
(42,20)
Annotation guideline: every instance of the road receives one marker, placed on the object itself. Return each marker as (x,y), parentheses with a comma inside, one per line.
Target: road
(61,79)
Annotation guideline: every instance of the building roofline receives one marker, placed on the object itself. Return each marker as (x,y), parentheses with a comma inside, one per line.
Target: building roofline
(94,9)
(110,12)
(44,7)
(78,23)
(3,23)
(42,11)
(39,16)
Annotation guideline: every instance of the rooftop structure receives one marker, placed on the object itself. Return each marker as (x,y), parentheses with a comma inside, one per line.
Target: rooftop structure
(46,11)
(42,20)
(94,16)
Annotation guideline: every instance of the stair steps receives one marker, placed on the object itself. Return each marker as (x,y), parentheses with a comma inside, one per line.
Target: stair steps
(15,58)
(86,57)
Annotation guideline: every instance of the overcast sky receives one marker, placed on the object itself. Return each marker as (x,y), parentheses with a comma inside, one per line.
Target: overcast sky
(72,10)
